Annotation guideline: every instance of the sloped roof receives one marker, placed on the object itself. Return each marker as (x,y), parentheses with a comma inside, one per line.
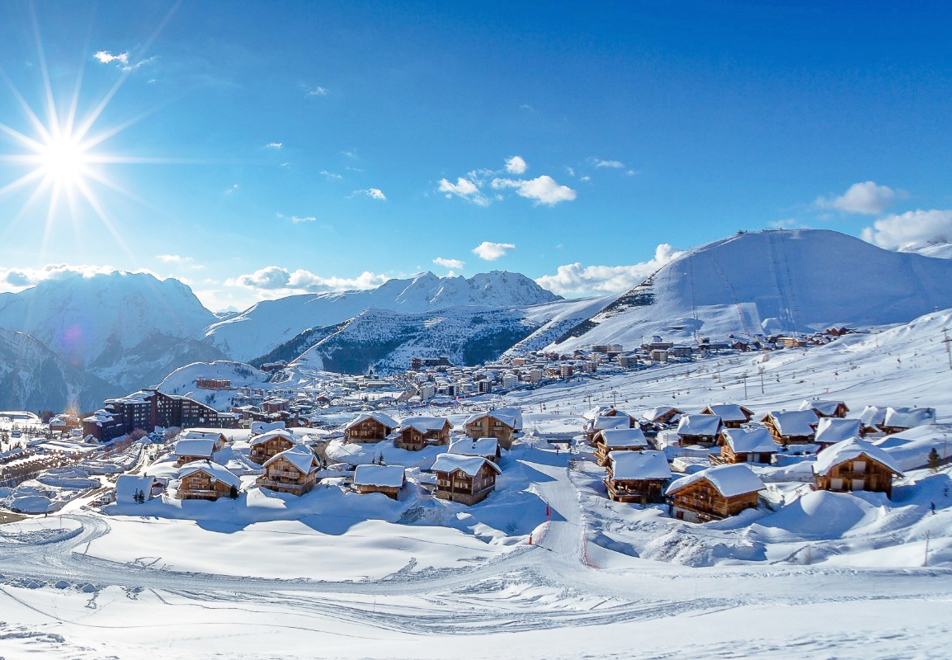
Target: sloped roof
(270,435)
(827,408)
(633,465)
(908,418)
(477,447)
(604,411)
(655,413)
(386,420)
(469,465)
(194,434)
(385,476)
(849,450)
(214,470)
(729,412)
(624,438)
(832,429)
(511,417)
(872,416)
(699,425)
(729,480)
(128,484)
(98,417)
(603,423)
(194,448)
(424,424)
(794,422)
(300,457)
(757,440)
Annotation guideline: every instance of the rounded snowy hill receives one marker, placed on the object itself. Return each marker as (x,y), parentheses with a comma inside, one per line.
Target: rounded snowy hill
(772,281)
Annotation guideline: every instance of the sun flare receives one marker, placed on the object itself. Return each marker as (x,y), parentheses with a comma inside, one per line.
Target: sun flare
(63,160)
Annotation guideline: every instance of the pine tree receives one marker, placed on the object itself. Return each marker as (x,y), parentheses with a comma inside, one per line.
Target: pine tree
(934,460)
(233,493)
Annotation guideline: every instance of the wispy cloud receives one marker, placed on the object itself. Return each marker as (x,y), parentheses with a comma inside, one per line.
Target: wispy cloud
(278,280)
(612,164)
(488,251)
(464,189)
(372,193)
(865,198)
(106,57)
(454,264)
(542,190)
(575,279)
(274,145)
(231,190)
(174,259)
(331,175)
(314,91)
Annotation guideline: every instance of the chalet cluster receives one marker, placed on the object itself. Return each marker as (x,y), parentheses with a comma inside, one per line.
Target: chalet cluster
(637,470)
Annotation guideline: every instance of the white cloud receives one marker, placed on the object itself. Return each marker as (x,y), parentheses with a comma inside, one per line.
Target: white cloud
(575,279)
(488,251)
(16,279)
(516,165)
(465,189)
(331,175)
(866,198)
(372,193)
(274,145)
(613,164)
(455,264)
(106,57)
(275,280)
(315,91)
(543,189)
(911,229)
(307,218)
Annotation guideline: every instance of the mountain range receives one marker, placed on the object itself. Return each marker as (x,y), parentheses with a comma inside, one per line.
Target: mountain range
(74,340)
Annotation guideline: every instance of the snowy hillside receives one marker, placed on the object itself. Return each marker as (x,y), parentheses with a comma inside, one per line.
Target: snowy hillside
(183,381)
(935,250)
(772,281)
(260,329)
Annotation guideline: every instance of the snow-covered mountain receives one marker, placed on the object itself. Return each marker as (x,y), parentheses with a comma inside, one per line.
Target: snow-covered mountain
(938,250)
(772,281)
(263,327)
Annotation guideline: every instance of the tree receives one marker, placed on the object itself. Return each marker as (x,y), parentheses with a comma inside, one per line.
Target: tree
(233,493)
(934,460)
(139,497)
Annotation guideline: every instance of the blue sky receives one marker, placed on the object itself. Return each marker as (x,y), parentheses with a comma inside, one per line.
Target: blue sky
(288,147)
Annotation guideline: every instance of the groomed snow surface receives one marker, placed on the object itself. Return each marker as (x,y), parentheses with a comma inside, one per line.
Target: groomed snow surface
(338,574)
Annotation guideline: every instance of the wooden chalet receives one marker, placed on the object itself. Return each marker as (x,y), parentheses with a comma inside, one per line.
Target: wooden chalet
(612,440)
(699,430)
(896,420)
(369,427)
(791,428)
(292,471)
(826,408)
(504,424)
(663,415)
(754,445)
(192,450)
(637,476)
(214,435)
(464,479)
(270,444)
(855,465)
(205,480)
(418,432)
(732,415)
(487,448)
(386,479)
(831,430)
(714,493)
(595,426)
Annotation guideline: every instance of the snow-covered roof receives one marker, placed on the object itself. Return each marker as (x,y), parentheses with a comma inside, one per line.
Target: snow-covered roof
(477,447)
(98,417)
(195,434)
(624,438)
(214,470)
(511,417)
(849,450)
(745,441)
(827,408)
(386,420)
(264,427)
(907,418)
(729,480)
(794,422)
(270,435)
(655,413)
(300,457)
(424,424)
(385,476)
(604,411)
(633,465)
(604,423)
(195,448)
(127,485)
(872,416)
(729,412)
(699,425)
(832,429)
(469,465)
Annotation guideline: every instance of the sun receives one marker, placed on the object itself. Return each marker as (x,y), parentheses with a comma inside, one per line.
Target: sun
(63,160)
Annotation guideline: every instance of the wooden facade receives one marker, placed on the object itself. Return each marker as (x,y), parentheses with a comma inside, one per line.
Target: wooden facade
(487,426)
(283,476)
(701,501)
(782,437)
(457,486)
(413,439)
(856,474)
(643,491)
(728,455)
(603,448)
(367,430)
(728,421)
(201,485)
(262,451)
